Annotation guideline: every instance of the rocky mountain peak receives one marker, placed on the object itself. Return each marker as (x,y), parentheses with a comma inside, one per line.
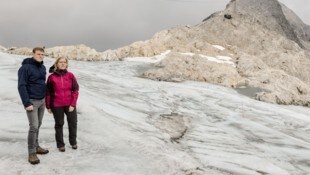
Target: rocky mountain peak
(272,15)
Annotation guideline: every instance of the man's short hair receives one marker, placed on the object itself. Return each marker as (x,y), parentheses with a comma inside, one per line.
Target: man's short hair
(37,49)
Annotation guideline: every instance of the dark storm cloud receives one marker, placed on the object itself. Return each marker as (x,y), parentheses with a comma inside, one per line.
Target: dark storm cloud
(103,24)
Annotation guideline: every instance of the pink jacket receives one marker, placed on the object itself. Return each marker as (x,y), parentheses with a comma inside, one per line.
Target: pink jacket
(62,89)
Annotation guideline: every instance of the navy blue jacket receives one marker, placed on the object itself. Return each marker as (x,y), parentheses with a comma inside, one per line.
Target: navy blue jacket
(31,80)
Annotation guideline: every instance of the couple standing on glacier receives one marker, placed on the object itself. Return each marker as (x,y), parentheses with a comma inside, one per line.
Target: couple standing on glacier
(59,95)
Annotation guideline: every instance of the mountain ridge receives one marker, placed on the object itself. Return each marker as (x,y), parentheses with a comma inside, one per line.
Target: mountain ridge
(265,41)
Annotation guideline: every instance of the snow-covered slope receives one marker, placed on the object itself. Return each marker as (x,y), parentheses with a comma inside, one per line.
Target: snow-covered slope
(124,127)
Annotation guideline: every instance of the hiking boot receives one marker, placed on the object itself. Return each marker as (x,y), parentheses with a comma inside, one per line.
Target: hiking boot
(41,150)
(33,159)
(62,149)
(74,147)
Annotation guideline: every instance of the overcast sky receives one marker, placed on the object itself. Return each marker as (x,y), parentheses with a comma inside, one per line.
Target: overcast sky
(104,24)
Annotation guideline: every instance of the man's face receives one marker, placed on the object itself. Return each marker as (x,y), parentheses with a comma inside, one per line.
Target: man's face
(38,56)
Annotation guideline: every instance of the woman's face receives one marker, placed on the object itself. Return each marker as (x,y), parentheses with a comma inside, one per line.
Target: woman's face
(62,64)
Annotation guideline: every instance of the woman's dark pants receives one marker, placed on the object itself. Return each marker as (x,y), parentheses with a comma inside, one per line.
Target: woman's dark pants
(59,114)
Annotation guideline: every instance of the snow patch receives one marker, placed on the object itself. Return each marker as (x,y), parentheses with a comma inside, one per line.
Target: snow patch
(219,47)
(153,59)
(218,59)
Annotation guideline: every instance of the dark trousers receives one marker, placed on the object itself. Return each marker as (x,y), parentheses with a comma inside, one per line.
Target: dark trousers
(59,114)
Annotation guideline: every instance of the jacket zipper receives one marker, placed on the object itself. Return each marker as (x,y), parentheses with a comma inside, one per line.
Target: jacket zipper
(62,86)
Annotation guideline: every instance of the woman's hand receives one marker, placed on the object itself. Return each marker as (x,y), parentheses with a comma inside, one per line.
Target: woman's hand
(71,108)
(49,111)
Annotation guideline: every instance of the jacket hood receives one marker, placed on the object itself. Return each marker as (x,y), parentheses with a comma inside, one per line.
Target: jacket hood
(57,71)
(32,61)
(52,69)
(60,72)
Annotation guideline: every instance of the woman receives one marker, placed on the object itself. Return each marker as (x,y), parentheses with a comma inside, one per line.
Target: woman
(61,97)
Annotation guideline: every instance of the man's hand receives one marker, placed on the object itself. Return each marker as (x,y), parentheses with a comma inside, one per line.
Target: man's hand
(49,111)
(71,108)
(29,108)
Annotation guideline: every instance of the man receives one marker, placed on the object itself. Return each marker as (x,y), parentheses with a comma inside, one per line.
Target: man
(31,88)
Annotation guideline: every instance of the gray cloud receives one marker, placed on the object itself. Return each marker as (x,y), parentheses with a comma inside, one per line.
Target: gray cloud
(104,24)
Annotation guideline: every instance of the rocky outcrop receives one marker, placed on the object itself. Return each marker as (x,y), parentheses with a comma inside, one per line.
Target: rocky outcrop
(249,16)
(19,51)
(172,124)
(268,43)
(179,39)
(179,67)
(267,13)
(300,29)
(77,52)
(279,86)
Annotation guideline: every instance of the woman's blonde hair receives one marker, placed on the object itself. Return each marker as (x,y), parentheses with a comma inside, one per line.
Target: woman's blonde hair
(57,61)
